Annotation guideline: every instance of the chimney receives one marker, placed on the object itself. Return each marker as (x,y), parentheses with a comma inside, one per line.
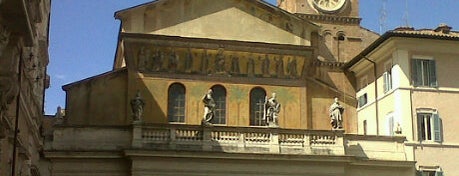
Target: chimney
(443,28)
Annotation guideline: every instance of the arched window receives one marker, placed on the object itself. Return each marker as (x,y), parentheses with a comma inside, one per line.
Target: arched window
(219,95)
(176,103)
(257,101)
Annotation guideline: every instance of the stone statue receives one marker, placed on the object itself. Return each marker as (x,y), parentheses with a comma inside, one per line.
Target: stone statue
(209,107)
(336,115)
(272,109)
(137,105)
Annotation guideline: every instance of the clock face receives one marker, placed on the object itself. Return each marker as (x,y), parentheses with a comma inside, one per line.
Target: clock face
(329,5)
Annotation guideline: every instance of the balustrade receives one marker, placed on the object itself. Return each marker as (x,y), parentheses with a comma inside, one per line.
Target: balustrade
(236,139)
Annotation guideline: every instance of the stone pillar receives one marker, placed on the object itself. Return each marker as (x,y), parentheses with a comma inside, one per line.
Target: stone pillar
(136,134)
(274,146)
(172,138)
(207,138)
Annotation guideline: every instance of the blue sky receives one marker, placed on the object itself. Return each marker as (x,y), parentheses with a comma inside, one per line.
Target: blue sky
(83,33)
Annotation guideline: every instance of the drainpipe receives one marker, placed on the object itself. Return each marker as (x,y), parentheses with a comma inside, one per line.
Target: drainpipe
(376,93)
(18,109)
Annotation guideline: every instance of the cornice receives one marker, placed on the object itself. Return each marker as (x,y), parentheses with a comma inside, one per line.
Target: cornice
(330,18)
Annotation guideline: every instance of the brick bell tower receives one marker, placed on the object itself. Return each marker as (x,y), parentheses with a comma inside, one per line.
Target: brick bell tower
(341,36)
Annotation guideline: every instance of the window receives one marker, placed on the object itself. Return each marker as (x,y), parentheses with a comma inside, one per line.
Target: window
(423,73)
(176,103)
(363,100)
(219,95)
(387,76)
(257,102)
(429,126)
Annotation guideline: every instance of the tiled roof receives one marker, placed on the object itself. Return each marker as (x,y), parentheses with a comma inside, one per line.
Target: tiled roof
(442,32)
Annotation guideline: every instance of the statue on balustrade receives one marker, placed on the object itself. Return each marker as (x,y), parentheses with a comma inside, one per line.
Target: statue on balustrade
(137,105)
(209,107)
(336,115)
(272,109)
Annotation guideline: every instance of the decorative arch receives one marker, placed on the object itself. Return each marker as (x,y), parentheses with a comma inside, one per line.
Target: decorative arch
(219,95)
(257,102)
(176,103)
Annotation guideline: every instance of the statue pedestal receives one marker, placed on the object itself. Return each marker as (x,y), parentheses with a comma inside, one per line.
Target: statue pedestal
(273,125)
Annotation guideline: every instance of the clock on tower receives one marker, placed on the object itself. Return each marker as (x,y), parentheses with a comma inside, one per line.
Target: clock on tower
(329,6)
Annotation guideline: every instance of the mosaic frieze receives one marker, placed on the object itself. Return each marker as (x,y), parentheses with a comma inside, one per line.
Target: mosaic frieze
(218,62)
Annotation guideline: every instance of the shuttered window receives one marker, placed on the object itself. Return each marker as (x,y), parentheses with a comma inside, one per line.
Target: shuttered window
(423,73)
(429,127)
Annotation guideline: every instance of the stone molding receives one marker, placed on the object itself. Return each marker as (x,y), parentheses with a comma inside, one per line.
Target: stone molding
(330,18)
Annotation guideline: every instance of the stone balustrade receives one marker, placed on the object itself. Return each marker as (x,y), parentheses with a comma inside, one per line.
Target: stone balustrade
(237,139)
(261,140)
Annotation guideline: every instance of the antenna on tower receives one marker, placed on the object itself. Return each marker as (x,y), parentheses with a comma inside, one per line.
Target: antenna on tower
(405,15)
(383,17)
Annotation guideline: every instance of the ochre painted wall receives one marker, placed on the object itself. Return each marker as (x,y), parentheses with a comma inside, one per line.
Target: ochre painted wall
(155,93)
(227,20)
(98,101)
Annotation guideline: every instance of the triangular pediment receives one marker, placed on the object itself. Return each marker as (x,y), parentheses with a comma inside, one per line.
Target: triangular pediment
(240,20)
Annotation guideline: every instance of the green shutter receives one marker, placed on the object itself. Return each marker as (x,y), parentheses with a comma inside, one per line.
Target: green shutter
(436,127)
(420,127)
(432,74)
(416,72)
(385,82)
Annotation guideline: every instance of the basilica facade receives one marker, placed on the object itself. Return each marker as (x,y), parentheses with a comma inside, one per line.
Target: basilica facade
(148,116)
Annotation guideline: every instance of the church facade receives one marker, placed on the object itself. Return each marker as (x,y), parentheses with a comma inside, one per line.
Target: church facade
(145,117)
